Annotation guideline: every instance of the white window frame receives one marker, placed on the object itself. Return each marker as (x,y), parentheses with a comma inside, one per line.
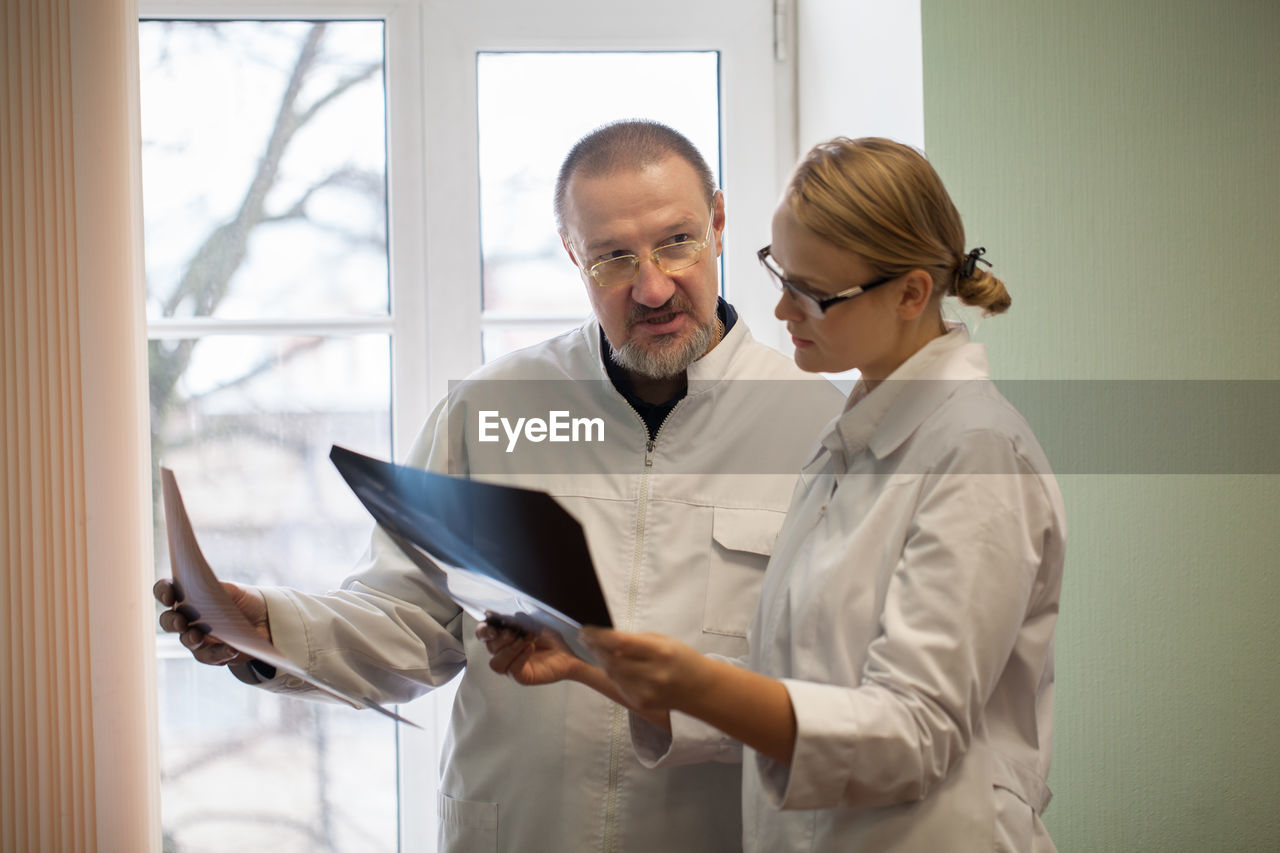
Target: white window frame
(435,321)
(742,33)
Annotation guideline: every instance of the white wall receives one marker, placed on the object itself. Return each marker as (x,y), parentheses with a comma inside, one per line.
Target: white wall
(858,73)
(859,70)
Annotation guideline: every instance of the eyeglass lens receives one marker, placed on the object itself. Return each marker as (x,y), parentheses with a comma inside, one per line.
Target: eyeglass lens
(808,304)
(670,258)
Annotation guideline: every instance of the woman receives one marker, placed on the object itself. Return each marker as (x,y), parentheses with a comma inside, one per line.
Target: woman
(897,694)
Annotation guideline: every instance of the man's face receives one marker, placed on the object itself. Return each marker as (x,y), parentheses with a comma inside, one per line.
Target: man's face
(659,322)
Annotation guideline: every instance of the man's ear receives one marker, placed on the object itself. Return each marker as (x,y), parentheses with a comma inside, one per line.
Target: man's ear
(564,241)
(717,221)
(916,293)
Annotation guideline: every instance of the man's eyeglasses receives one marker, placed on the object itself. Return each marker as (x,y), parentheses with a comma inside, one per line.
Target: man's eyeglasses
(669,257)
(809,302)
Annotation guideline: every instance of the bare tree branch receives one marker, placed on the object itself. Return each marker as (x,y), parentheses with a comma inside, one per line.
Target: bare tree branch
(207,276)
(367,71)
(361,180)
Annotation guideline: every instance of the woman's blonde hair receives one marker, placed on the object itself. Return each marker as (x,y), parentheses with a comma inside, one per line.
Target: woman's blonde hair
(884,201)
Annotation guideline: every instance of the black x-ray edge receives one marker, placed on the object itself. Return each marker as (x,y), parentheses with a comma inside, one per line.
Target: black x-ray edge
(511,555)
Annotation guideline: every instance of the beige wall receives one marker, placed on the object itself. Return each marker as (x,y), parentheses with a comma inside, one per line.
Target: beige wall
(1119,160)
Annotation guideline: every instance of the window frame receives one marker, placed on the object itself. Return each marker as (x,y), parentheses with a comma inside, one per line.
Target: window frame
(436,330)
(406,320)
(753,141)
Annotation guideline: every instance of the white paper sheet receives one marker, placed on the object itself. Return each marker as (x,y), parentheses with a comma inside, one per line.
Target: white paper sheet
(207,605)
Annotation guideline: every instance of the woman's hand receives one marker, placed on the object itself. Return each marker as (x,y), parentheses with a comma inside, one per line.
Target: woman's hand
(529,659)
(655,675)
(654,672)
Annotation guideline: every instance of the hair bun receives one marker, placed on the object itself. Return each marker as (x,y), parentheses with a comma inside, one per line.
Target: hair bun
(978,287)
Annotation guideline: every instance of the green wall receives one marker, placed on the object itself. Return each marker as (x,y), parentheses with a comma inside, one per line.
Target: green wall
(1121,162)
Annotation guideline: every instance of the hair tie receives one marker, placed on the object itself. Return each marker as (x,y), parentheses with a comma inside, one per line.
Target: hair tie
(970,263)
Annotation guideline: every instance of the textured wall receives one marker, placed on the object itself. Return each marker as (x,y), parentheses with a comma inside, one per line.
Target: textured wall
(1119,160)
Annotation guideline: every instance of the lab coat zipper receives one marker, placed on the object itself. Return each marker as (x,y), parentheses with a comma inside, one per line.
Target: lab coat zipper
(620,726)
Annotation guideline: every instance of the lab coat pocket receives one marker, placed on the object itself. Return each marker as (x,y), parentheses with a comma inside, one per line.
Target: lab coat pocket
(1015,822)
(743,542)
(466,826)
(1020,798)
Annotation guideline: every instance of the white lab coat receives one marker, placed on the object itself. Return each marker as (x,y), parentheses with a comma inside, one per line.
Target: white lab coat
(909,608)
(679,530)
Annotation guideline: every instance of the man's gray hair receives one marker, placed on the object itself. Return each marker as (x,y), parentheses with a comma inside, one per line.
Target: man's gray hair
(627,144)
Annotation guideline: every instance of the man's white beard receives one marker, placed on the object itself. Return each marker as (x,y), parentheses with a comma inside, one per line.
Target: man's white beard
(662,360)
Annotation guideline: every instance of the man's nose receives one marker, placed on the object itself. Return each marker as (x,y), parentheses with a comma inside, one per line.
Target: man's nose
(652,287)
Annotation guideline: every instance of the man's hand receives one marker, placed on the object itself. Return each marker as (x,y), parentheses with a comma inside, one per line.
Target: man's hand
(206,648)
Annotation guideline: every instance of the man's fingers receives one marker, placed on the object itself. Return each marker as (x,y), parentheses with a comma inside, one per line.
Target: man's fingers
(496,639)
(521,658)
(173,622)
(505,657)
(208,649)
(163,591)
(192,638)
(215,654)
(205,649)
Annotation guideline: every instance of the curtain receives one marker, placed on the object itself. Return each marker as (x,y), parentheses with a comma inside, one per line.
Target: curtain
(78,766)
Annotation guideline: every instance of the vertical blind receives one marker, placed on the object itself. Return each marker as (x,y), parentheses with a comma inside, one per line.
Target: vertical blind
(77,759)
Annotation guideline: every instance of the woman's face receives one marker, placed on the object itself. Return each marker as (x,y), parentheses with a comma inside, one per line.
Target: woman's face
(863,332)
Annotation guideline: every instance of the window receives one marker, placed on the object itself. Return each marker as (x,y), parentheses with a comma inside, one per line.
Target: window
(318,274)
(529,291)
(270,329)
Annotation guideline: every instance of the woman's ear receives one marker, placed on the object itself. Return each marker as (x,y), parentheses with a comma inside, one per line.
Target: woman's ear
(915,295)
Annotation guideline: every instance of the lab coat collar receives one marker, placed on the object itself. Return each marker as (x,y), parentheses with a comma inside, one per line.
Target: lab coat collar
(715,365)
(593,334)
(882,419)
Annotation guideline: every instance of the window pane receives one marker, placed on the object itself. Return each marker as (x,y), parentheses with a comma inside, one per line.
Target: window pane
(247,427)
(496,342)
(532,108)
(246,423)
(264,168)
(242,769)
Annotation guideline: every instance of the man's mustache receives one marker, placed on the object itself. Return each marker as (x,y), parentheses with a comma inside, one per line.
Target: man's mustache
(640,313)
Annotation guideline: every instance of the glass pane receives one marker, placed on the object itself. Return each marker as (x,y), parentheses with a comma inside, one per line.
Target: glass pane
(242,769)
(563,96)
(264,178)
(497,342)
(246,426)
(246,423)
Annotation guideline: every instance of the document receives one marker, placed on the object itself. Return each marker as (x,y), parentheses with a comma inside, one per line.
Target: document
(206,605)
(512,556)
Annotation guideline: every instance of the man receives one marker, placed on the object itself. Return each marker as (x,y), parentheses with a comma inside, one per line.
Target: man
(680,502)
